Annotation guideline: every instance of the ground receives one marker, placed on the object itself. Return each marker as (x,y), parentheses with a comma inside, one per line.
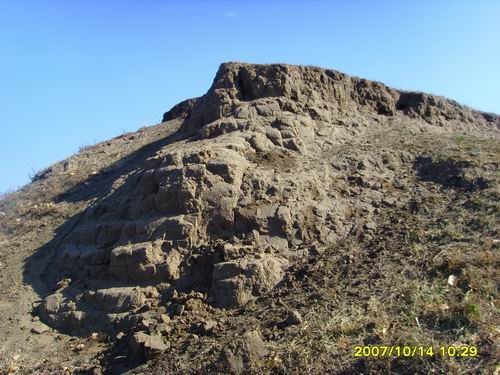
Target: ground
(395,240)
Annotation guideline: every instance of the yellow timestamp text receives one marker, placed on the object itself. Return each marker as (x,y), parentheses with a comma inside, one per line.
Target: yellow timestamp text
(415,351)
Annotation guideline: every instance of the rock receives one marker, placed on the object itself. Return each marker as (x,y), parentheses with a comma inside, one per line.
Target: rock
(206,326)
(172,263)
(294,318)
(181,110)
(146,323)
(234,283)
(218,128)
(150,292)
(39,328)
(274,136)
(239,356)
(452,280)
(118,299)
(232,362)
(154,346)
(193,304)
(223,168)
(268,109)
(164,318)
(164,328)
(149,346)
(242,112)
(64,283)
(260,143)
(136,262)
(370,226)
(197,295)
(71,306)
(293,144)
(389,202)
(51,304)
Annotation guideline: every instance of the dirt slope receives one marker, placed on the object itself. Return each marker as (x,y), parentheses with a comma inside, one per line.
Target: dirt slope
(270,226)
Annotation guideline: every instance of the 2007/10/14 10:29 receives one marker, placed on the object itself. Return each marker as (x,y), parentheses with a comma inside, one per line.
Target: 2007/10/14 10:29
(415,351)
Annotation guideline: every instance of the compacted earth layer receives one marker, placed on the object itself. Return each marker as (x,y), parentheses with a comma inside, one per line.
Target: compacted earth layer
(271,225)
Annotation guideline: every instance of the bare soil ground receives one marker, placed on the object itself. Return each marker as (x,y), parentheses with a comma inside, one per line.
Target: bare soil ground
(395,241)
(30,218)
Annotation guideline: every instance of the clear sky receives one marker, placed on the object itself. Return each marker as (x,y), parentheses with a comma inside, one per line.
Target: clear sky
(75,72)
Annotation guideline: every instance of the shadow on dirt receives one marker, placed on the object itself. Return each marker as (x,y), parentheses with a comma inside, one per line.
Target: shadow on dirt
(100,185)
(450,174)
(37,268)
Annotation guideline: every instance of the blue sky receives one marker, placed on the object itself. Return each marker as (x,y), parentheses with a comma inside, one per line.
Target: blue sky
(76,72)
